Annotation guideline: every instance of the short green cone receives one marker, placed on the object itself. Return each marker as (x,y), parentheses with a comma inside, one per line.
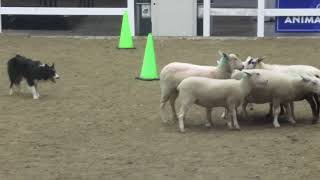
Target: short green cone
(125,41)
(149,66)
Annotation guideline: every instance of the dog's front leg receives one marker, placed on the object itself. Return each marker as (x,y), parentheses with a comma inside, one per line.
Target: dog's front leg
(37,90)
(34,92)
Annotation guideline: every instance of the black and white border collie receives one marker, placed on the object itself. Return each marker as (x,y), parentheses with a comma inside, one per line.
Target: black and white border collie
(20,68)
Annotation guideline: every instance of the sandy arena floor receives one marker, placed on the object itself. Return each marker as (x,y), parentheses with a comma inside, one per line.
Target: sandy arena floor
(98,122)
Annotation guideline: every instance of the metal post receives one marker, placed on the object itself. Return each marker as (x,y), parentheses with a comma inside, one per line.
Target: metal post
(260,18)
(206,18)
(130,7)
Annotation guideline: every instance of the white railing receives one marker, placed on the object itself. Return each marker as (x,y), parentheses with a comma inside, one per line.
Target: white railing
(260,12)
(70,11)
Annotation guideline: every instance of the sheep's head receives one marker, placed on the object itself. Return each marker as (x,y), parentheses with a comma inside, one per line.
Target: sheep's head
(312,83)
(256,79)
(232,60)
(252,63)
(235,62)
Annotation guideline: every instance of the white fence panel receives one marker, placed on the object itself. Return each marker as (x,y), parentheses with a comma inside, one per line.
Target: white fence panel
(260,13)
(70,11)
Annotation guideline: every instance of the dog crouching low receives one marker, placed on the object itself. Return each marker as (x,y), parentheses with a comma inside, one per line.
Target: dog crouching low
(20,68)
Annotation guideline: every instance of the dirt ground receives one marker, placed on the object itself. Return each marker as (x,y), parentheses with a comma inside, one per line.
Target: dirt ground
(98,122)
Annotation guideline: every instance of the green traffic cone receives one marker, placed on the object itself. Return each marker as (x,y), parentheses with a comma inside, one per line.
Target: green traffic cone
(125,41)
(149,66)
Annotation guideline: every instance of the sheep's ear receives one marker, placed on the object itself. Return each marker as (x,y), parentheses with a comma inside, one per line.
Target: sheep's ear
(260,59)
(237,55)
(223,54)
(305,78)
(249,58)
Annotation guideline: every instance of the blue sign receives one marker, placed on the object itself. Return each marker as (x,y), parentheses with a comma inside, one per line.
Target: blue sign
(298,23)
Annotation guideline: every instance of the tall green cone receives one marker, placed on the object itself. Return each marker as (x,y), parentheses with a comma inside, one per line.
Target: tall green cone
(149,66)
(125,41)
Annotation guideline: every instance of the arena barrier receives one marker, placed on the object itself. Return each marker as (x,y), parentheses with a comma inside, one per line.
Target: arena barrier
(70,11)
(261,12)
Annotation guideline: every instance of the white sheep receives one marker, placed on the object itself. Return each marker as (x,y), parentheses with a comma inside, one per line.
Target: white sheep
(257,63)
(283,88)
(172,74)
(209,93)
(313,100)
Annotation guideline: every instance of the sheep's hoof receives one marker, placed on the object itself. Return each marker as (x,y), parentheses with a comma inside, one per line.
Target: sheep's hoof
(292,121)
(229,124)
(182,131)
(237,128)
(36,97)
(276,125)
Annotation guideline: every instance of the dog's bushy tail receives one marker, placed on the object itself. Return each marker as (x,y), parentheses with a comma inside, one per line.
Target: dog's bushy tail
(13,72)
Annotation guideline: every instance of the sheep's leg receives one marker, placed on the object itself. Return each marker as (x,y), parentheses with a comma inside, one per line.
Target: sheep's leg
(292,110)
(172,103)
(270,110)
(162,111)
(290,114)
(186,103)
(229,116)
(225,113)
(231,124)
(182,114)
(209,118)
(314,100)
(165,95)
(244,110)
(276,111)
(234,118)
(313,107)
(282,109)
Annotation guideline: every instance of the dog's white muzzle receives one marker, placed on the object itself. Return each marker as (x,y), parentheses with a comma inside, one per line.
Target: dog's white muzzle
(56,76)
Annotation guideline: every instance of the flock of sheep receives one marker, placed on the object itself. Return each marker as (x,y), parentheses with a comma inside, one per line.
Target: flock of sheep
(233,83)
